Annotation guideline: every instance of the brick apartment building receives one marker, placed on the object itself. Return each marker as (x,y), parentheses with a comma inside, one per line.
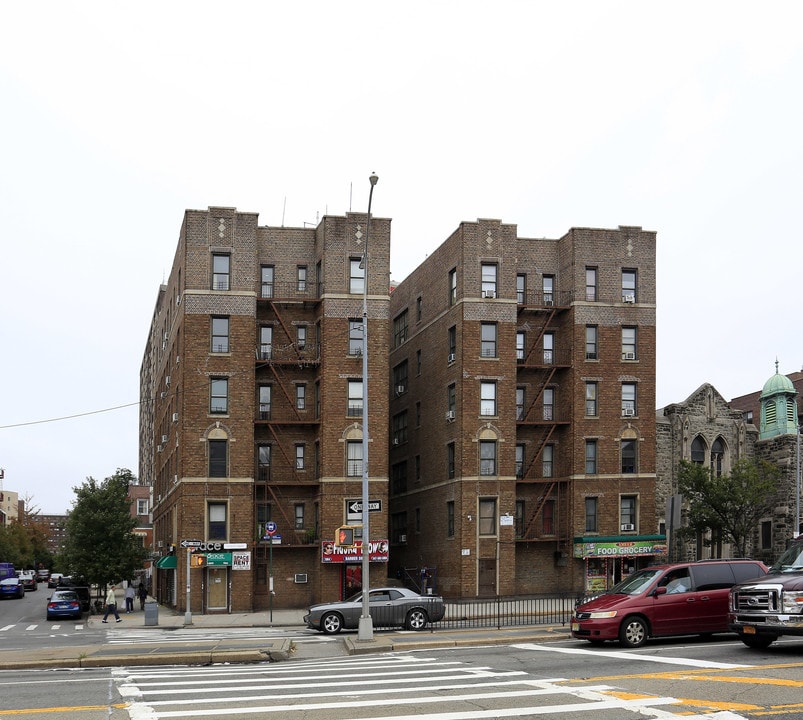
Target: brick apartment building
(522,412)
(251,388)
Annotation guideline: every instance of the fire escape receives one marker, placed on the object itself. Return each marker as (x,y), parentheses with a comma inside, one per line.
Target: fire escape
(540,419)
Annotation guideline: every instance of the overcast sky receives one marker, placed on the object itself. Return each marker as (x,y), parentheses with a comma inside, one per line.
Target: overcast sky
(683,117)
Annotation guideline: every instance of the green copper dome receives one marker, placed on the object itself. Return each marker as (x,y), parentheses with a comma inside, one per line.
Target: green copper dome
(778,407)
(778,384)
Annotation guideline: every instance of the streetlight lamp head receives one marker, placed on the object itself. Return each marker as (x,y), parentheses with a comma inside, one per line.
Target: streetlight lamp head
(373,179)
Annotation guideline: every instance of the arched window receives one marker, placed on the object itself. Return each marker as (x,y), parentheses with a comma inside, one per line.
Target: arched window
(717,455)
(698,451)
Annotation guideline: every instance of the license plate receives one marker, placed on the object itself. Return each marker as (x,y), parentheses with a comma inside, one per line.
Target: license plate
(749,630)
(575,626)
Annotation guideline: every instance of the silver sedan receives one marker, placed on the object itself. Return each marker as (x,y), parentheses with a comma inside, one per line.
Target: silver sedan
(388,607)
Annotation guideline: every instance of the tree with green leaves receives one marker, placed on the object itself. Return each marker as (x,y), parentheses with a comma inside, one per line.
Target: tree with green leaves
(101,546)
(731,504)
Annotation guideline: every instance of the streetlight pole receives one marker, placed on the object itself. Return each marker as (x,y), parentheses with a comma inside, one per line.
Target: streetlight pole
(365,629)
(796,529)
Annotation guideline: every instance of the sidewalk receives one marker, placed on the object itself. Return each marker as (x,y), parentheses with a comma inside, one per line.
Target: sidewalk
(241,649)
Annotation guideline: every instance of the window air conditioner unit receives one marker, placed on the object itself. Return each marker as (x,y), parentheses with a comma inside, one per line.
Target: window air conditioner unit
(159,543)
(300,578)
(450,415)
(164,439)
(175,417)
(402,538)
(178,299)
(628,412)
(167,336)
(630,356)
(628,526)
(489,294)
(628,298)
(158,448)
(395,441)
(399,389)
(167,380)
(450,358)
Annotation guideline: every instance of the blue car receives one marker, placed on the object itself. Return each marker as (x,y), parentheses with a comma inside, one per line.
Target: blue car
(11,587)
(63,603)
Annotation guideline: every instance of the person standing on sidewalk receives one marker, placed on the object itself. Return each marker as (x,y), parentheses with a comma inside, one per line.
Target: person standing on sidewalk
(111,605)
(143,594)
(129,598)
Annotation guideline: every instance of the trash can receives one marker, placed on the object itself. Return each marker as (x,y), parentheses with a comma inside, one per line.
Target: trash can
(151,612)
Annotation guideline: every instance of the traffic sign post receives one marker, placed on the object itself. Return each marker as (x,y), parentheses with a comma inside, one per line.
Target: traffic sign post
(190,545)
(270,530)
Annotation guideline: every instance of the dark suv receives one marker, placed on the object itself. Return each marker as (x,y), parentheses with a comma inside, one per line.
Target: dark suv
(679,599)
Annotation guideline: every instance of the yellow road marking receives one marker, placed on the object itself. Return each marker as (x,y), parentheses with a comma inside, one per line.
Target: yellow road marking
(711,704)
(74,708)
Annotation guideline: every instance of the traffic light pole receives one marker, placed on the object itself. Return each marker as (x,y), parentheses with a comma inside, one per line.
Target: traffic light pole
(188,613)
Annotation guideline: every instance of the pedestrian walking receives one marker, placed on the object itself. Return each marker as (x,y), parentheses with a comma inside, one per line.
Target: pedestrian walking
(130,593)
(143,594)
(111,605)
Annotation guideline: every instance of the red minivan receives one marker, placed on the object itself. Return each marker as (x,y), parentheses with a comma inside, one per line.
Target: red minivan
(679,599)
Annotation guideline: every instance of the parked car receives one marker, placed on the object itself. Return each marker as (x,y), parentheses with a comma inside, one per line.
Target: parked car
(28,580)
(43,575)
(11,587)
(64,603)
(54,579)
(388,607)
(82,590)
(663,600)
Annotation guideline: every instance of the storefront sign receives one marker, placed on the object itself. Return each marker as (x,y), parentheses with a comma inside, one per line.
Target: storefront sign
(331,553)
(241,561)
(619,549)
(218,559)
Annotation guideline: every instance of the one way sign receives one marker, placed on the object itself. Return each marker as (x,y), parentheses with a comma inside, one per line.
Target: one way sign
(354,508)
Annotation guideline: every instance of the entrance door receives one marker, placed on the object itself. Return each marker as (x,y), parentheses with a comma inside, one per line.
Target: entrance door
(487,577)
(217,588)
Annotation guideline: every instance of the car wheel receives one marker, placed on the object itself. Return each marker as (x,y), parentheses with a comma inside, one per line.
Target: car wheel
(416,619)
(331,623)
(757,642)
(633,631)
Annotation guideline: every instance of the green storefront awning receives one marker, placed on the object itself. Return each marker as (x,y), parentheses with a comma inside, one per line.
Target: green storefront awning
(168,562)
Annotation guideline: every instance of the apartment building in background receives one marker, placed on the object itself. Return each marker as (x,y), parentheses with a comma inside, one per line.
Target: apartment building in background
(522,452)
(251,422)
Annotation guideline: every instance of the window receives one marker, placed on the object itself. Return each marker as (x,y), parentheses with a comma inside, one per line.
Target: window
(521,289)
(221,272)
(487,524)
(547,461)
(419,308)
(549,403)
(452,286)
(354,458)
(549,348)
(301,396)
(521,410)
(299,516)
(451,398)
(591,514)
(264,400)
(628,451)
(398,527)
(356,277)
(301,278)
(417,467)
(417,362)
(399,430)
(400,329)
(218,458)
(452,342)
(398,477)
(717,454)
(488,278)
(220,334)
(488,398)
(548,517)
(488,339)
(698,451)
(266,342)
(591,284)
(591,342)
(355,337)
(219,396)
(520,528)
(487,457)
(450,518)
(400,378)
(629,344)
(450,460)
(354,402)
(142,506)
(591,399)
(267,281)
(627,512)
(766,534)
(549,289)
(629,399)
(301,337)
(628,286)
(591,457)
(300,457)
(417,521)
(263,463)
(519,461)
(216,521)
(521,339)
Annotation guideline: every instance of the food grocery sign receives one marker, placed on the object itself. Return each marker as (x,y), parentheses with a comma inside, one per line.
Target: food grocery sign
(331,553)
(619,549)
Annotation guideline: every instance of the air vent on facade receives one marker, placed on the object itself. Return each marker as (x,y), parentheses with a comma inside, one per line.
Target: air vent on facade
(300,578)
